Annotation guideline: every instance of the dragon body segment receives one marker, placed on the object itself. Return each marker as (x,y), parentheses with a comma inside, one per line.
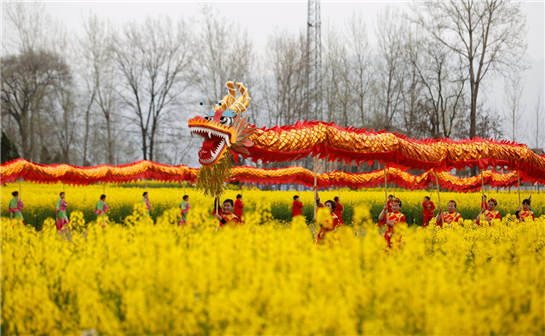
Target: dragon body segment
(224,130)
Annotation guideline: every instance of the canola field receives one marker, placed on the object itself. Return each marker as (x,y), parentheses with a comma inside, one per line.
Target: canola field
(40,200)
(144,275)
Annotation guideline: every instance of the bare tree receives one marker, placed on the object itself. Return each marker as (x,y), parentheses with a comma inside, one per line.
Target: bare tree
(154,62)
(25,27)
(224,52)
(515,109)
(360,77)
(539,118)
(99,76)
(443,81)
(286,60)
(489,35)
(390,32)
(30,71)
(26,80)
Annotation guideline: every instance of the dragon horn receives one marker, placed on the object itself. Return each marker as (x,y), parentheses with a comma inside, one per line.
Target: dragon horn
(243,100)
(229,98)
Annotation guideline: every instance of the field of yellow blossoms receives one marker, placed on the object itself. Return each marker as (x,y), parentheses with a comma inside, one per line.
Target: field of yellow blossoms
(149,276)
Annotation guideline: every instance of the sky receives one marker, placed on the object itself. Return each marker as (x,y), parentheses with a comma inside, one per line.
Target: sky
(261,18)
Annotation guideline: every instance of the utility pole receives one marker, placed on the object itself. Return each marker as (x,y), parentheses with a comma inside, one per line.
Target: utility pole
(314,62)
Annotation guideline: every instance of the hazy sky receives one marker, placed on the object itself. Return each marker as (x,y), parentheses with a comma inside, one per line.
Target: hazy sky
(261,18)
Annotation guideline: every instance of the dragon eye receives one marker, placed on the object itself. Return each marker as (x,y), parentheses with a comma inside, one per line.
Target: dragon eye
(226,121)
(208,118)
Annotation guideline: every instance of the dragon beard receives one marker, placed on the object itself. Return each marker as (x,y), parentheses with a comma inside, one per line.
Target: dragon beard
(211,178)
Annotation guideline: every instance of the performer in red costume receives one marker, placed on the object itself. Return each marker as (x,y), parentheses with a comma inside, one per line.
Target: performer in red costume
(428,211)
(491,213)
(297,207)
(330,224)
(339,209)
(526,215)
(393,219)
(227,215)
(239,206)
(450,216)
(390,200)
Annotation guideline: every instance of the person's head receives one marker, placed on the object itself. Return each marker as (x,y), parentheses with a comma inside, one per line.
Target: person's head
(492,204)
(145,194)
(61,195)
(228,206)
(331,205)
(102,197)
(239,196)
(427,199)
(390,197)
(484,198)
(396,205)
(295,198)
(185,198)
(336,199)
(15,194)
(526,204)
(451,206)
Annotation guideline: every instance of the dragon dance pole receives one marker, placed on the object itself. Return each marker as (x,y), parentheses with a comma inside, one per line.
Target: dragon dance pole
(20,193)
(482,190)
(315,183)
(439,197)
(386,190)
(518,185)
(104,193)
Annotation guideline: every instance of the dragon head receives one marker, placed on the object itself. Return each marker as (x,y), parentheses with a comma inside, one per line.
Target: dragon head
(224,127)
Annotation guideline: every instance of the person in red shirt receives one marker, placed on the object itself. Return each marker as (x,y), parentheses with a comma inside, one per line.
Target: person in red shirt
(390,200)
(491,213)
(329,224)
(484,203)
(450,216)
(428,210)
(239,206)
(297,207)
(227,216)
(391,219)
(339,209)
(526,215)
